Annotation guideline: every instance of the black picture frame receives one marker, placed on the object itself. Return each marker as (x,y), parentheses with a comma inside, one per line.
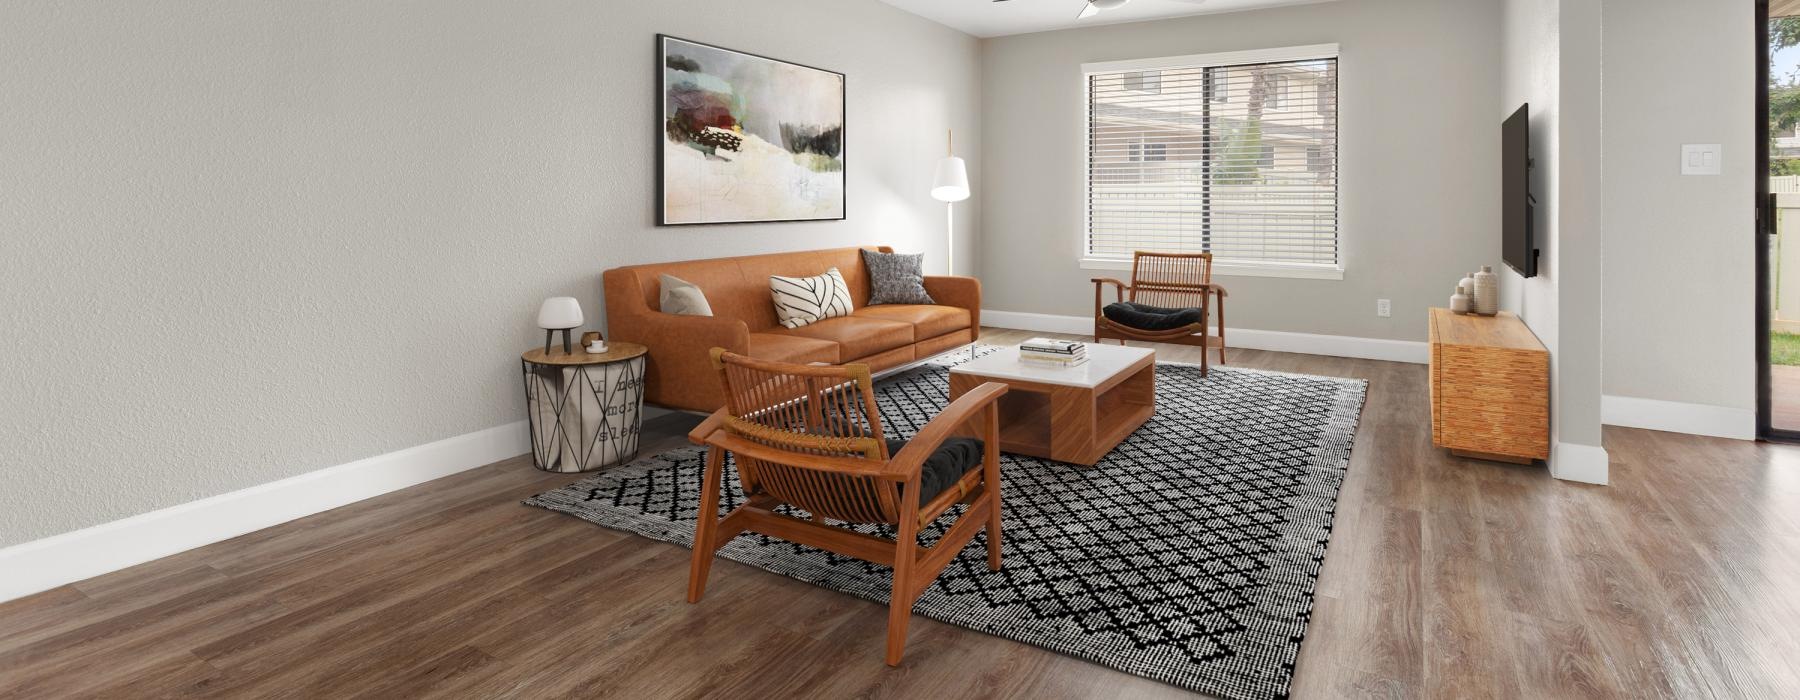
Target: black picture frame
(662,140)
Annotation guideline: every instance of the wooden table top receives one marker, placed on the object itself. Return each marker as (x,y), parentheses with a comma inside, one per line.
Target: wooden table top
(1105,363)
(1503,331)
(615,352)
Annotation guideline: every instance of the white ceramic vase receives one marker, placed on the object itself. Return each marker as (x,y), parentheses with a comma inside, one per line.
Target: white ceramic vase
(1459,302)
(1487,292)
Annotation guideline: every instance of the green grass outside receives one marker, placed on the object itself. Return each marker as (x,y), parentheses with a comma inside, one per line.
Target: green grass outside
(1784,349)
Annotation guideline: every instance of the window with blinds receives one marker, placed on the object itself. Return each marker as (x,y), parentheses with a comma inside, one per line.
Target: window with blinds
(1222,154)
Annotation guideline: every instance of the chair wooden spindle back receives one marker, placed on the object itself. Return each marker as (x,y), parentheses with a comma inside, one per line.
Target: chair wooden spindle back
(1171,280)
(808,410)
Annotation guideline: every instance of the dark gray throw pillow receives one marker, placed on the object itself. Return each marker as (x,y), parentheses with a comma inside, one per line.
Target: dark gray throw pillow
(896,278)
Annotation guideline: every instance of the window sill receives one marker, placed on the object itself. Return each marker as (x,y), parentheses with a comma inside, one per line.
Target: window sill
(1230,269)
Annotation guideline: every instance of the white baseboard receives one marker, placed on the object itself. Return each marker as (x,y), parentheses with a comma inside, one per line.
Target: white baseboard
(1250,339)
(43,564)
(1041,323)
(1584,463)
(1677,417)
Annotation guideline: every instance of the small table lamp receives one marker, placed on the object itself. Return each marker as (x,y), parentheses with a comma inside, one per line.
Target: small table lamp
(559,314)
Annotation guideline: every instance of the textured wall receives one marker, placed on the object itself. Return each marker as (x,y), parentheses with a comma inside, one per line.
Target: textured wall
(240,241)
(1419,145)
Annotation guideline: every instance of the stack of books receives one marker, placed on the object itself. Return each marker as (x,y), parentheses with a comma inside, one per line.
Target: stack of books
(1049,351)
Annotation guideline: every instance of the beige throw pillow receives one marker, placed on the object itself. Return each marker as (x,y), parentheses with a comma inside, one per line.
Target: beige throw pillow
(682,298)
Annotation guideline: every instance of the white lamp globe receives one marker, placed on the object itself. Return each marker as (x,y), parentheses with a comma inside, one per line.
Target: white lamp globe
(951,183)
(560,313)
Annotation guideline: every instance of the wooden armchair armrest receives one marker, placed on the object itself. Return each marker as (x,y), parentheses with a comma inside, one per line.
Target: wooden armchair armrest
(904,465)
(713,423)
(1219,289)
(1100,284)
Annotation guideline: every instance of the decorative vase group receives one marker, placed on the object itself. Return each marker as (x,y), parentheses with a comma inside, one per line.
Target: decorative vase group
(1478,293)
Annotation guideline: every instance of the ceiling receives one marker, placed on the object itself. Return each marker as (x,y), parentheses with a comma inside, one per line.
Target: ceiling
(985,18)
(1777,8)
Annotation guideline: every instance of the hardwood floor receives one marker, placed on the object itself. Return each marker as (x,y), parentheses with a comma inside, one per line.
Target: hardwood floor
(1444,578)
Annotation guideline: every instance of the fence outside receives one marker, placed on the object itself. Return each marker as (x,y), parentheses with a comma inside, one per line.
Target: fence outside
(1784,252)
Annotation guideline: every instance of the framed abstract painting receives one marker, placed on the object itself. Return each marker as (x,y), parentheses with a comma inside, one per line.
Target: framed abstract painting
(747,139)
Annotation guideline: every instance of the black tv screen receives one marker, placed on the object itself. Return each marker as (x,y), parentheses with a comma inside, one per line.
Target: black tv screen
(1519,247)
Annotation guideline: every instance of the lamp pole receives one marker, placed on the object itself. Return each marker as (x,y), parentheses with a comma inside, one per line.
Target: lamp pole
(950,185)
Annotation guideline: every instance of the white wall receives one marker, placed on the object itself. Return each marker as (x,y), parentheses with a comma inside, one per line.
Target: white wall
(1419,145)
(241,241)
(1580,244)
(1552,60)
(1680,295)
(1531,75)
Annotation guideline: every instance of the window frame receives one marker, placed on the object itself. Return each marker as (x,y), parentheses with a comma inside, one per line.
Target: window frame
(1225,268)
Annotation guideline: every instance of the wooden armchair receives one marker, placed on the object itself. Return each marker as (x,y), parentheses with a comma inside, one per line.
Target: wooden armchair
(1167,281)
(810,436)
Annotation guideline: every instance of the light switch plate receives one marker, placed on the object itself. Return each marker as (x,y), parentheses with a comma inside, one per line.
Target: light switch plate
(1700,159)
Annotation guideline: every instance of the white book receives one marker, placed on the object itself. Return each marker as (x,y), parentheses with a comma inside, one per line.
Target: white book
(1052,345)
(1059,356)
(1053,362)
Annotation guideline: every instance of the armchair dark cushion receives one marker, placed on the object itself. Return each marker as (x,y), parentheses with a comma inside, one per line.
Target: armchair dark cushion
(1150,318)
(944,467)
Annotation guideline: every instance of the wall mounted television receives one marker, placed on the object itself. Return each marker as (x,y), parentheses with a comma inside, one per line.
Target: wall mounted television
(1519,237)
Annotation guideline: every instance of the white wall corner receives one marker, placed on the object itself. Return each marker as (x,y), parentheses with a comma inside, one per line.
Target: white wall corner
(1246,338)
(1678,417)
(40,565)
(1583,463)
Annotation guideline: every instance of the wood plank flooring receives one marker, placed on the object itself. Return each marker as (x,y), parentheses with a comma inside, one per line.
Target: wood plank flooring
(1445,578)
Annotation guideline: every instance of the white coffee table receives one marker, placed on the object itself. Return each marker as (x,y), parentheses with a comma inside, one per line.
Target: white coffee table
(1069,414)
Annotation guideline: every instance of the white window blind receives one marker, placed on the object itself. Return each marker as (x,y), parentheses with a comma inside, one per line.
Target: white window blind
(1223,154)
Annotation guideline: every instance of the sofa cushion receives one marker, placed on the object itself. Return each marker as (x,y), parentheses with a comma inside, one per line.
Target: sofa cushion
(943,343)
(759,268)
(856,336)
(930,321)
(785,347)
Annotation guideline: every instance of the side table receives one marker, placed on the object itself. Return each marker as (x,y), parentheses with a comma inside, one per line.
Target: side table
(585,409)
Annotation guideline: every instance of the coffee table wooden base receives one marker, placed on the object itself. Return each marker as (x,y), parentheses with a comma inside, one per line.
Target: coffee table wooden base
(1067,423)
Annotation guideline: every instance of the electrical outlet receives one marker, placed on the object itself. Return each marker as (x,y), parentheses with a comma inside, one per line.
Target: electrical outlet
(1384,308)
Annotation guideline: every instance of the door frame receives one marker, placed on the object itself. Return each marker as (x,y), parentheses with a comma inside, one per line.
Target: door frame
(1766,220)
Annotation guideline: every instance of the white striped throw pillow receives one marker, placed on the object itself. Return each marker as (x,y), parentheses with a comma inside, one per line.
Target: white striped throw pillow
(803,300)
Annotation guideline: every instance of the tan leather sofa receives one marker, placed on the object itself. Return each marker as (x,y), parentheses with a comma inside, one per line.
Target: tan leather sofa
(679,371)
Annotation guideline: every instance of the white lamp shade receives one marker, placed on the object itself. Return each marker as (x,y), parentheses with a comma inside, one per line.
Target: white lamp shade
(952,181)
(559,313)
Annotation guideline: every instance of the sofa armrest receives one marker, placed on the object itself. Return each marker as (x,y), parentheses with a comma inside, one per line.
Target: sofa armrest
(960,292)
(679,373)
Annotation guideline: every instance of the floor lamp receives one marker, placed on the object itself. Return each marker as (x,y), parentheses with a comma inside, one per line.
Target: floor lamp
(951,184)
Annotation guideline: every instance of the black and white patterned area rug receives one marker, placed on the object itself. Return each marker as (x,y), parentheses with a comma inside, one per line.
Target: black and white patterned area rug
(1188,555)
